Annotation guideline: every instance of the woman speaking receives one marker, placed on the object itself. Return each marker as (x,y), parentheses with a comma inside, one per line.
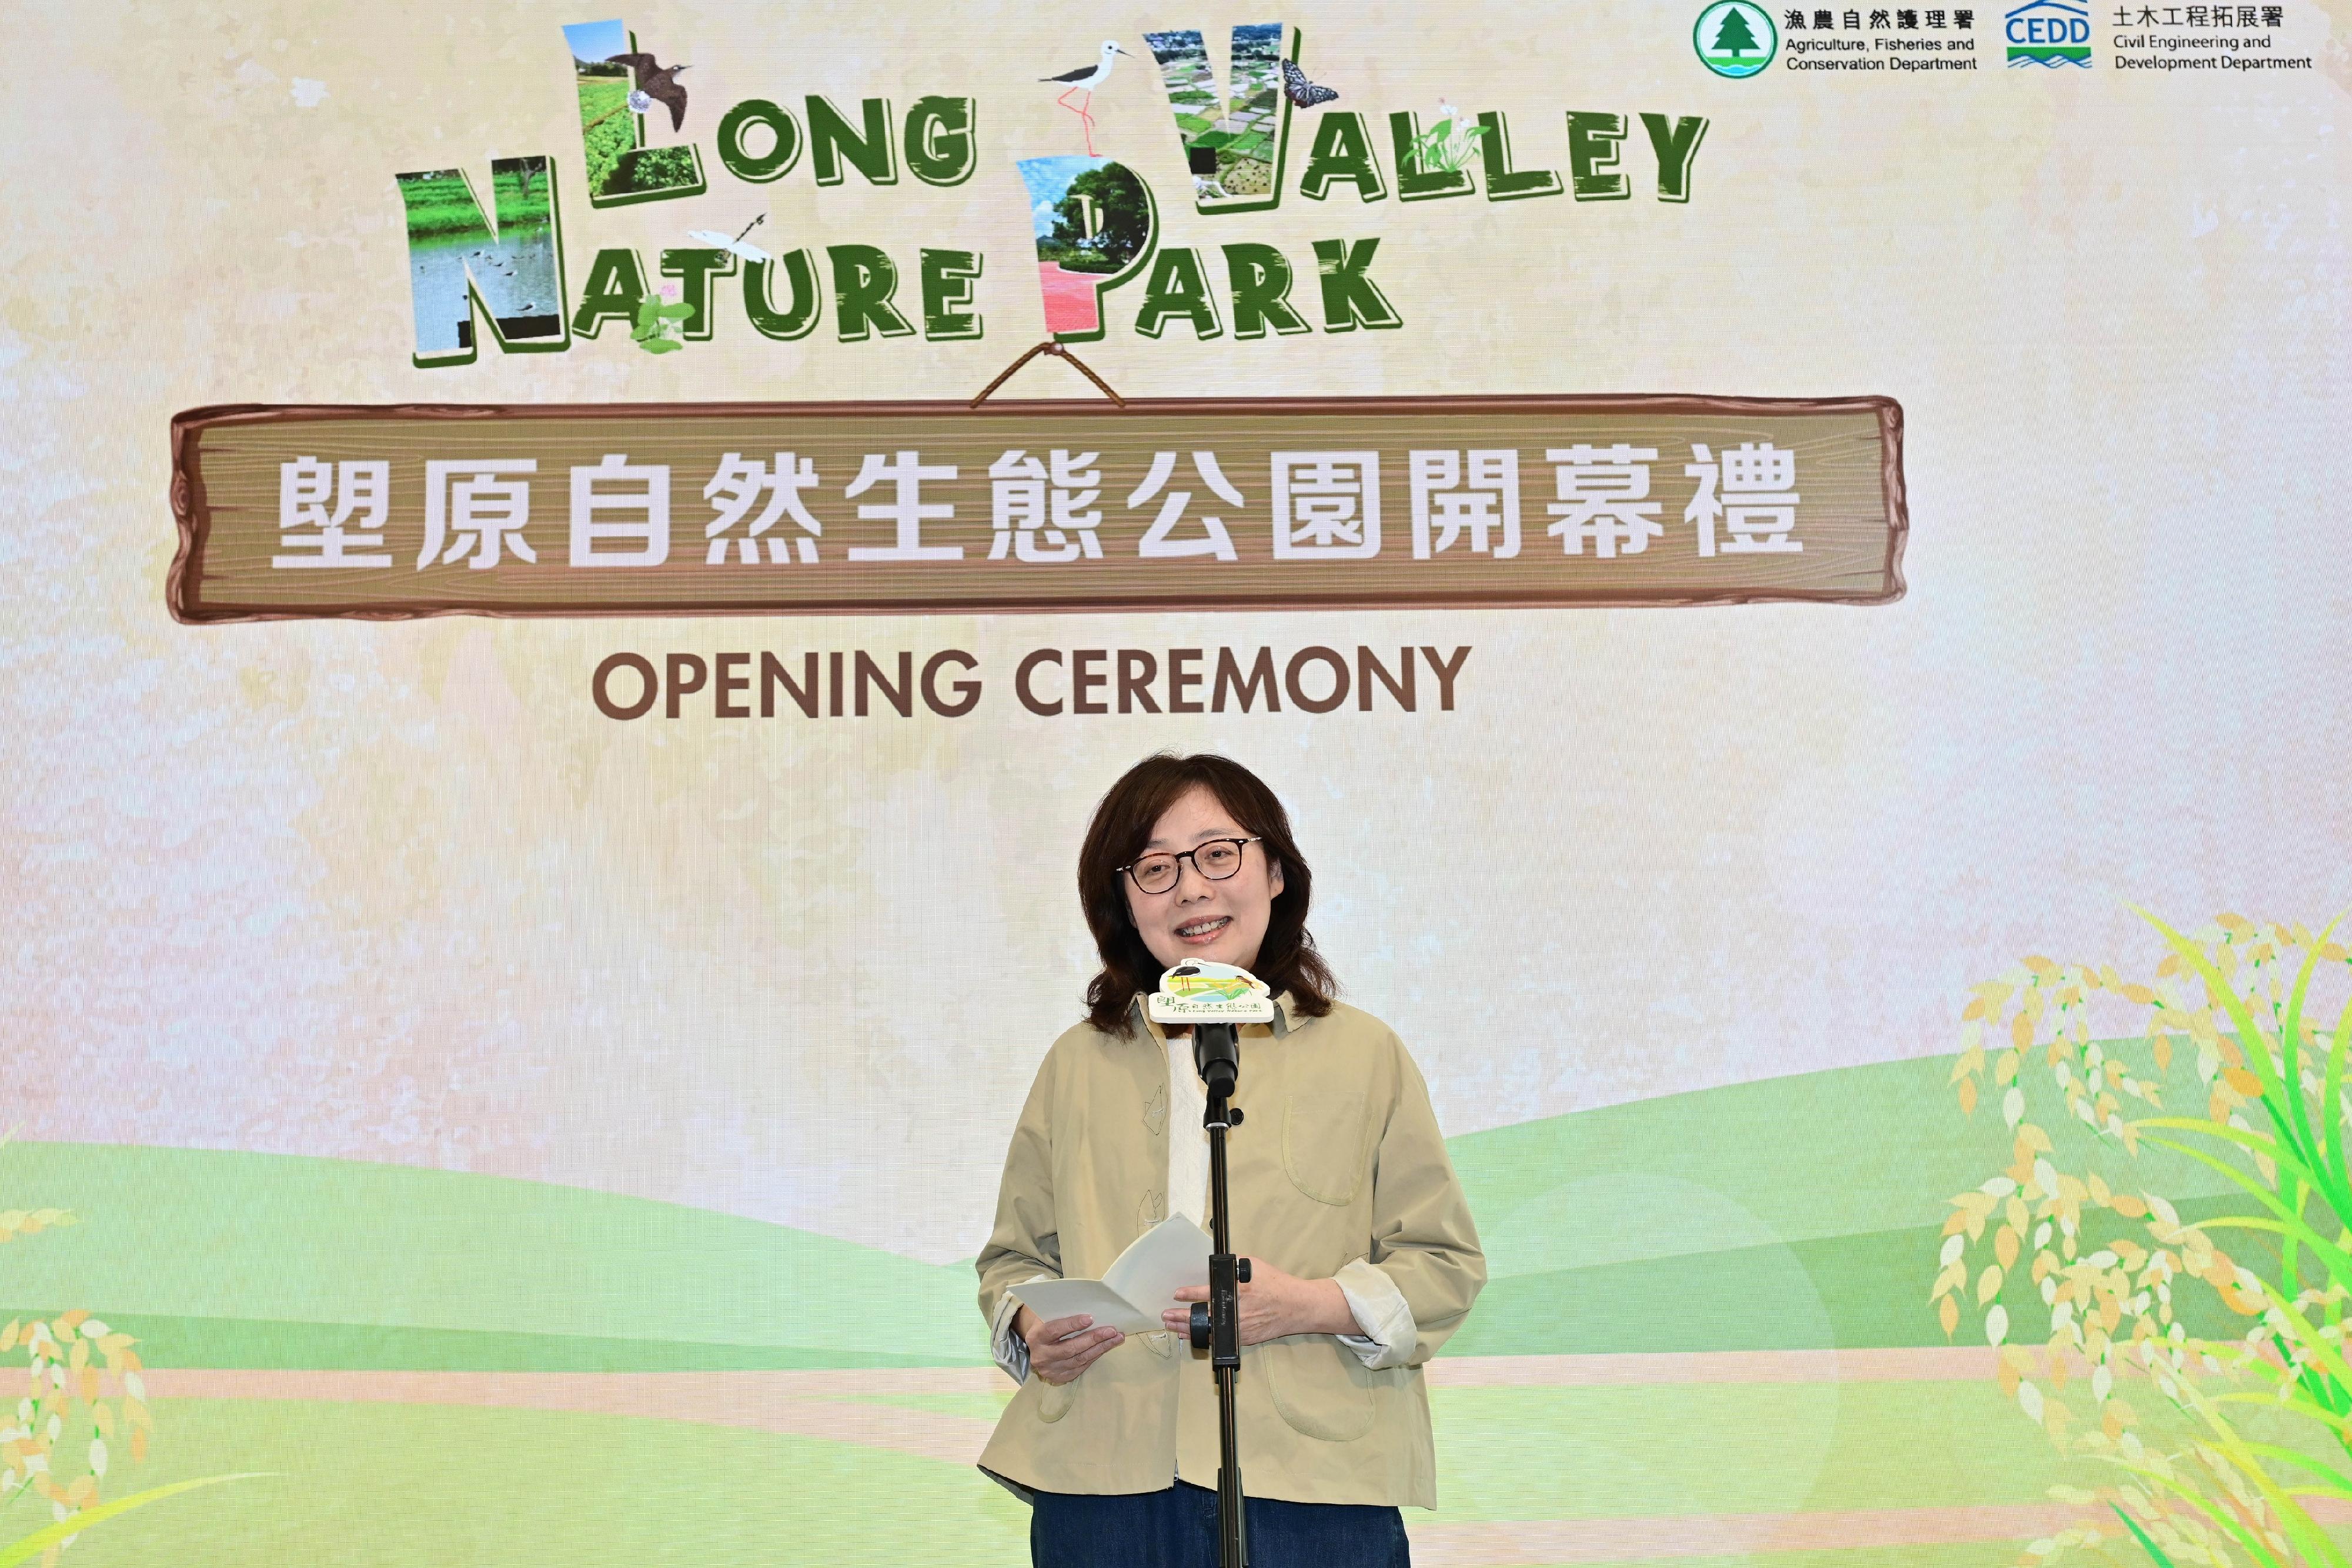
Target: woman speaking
(1363,1258)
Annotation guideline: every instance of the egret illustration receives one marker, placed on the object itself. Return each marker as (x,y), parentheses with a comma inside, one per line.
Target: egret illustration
(654,83)
(1083,84)
(716,239)
(1203,163)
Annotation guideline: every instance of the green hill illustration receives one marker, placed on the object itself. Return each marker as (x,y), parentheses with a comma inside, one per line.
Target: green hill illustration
(1789,1212)
(225,1258)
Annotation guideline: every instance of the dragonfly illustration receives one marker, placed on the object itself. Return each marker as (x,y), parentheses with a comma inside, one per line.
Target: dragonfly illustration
(719,240)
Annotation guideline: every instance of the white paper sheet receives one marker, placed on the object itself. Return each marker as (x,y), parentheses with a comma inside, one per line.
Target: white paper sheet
(1063,1298)
(1135,1289)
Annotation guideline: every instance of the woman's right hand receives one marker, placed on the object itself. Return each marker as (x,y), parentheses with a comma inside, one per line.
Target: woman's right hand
(1061,1348)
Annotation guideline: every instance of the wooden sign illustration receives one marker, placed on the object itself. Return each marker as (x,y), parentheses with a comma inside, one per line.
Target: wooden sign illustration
(913,507)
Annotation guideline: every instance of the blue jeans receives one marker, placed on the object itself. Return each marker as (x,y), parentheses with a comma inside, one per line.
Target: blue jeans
(1178,1529)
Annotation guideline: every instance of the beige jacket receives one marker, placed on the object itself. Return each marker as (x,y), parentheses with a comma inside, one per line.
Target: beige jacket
(1338,1158)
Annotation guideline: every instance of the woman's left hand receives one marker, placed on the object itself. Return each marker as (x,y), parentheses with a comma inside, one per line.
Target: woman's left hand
(1273,1304)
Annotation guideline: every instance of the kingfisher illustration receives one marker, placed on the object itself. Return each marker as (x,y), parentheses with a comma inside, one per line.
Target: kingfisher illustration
(1086,82)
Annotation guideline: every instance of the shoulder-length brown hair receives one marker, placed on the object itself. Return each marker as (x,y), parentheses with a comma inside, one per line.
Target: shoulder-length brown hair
(1123,820)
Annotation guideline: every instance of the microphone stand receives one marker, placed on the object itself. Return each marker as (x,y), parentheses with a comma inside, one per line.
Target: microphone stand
(1216,1323)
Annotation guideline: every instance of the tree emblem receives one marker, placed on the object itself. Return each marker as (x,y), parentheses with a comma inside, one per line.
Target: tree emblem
(1735,38)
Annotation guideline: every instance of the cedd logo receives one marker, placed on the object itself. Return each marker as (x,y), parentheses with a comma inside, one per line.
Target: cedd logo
(2048,33)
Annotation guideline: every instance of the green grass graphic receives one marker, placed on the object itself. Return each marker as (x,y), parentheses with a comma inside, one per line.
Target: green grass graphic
(520,1488)
(1788,1213)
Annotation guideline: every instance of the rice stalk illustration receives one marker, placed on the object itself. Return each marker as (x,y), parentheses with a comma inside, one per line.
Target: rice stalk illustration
(2194,1351)
(81,1406)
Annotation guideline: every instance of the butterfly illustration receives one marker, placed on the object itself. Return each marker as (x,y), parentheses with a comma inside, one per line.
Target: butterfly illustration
(1302,92)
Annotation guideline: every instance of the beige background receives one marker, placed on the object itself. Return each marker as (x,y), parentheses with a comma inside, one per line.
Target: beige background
(397,892)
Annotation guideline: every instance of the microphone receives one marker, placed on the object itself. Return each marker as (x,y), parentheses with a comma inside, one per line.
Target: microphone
(1215,999)
(1217,1058)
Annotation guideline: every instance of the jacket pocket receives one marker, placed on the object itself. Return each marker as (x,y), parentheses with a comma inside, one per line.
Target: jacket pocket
(1323,1144)
(1318,1387)
(1056,1401)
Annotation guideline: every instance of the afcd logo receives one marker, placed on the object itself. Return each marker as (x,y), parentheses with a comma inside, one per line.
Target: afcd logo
(1735,38)
(2049,33)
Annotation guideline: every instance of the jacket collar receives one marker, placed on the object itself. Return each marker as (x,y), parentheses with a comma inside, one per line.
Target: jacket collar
(1286,1015)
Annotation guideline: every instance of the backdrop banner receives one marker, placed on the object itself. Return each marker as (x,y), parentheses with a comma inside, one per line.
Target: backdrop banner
(270,527)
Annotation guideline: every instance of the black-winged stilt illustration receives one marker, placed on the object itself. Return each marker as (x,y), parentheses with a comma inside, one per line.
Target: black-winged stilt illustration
(1085,83)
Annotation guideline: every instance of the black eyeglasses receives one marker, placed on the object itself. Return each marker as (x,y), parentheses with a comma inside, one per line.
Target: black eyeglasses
(1216,860)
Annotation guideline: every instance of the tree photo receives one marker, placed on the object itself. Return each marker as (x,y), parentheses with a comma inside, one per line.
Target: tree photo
(1101,223)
